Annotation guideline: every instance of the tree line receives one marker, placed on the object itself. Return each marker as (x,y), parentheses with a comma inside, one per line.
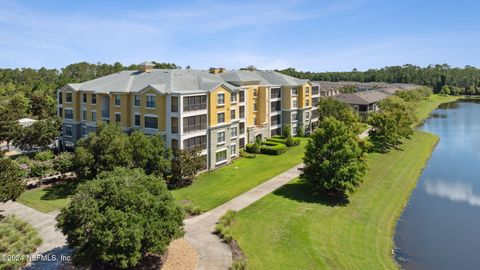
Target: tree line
(466,79)
(38,86)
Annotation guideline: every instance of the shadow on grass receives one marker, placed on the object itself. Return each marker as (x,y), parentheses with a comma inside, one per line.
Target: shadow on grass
(303,192)
(61,190)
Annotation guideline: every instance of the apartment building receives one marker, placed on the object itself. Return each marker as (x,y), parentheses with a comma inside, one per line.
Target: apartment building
(218,110)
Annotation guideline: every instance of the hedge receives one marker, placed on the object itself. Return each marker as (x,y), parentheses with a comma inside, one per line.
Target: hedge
(296,141)
(277,149)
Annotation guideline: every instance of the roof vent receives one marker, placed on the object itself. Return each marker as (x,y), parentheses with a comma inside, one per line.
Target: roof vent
(215,70)
(146,66)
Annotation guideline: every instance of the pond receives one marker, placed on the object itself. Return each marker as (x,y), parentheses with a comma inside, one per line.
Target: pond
(440,227)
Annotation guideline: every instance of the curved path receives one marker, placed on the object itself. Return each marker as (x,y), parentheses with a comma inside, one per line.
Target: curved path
(54,242)
(213,253)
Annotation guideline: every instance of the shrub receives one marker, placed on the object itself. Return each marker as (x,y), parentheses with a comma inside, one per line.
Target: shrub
(239,265)
(293,141)
(222,228)
(19,238)
(38,169)
(192,210)
(44,155)
(270,143)
(277,149)
(300,131)
(253,148)
(249,148)
(245,154)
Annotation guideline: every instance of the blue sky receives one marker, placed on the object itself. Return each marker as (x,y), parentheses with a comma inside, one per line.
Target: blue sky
(307,35)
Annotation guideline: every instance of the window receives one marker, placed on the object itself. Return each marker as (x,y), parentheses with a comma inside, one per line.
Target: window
(276,106)
(151,101)
(307,91)
(221,99)
(255,120)
(242,128)
(194,103)
(199,141)
(277,131)
(68,131)
(137,120)
(60,98)
(84,98)
(233,132)
(276,120)
(275,93)
(118,118)
(294,91)
(307,115)
(307,102)
(117,100)
(255,105)
(174,125)
(94,99)
(84,131)
(221,156)
(174,107)
(84,115)
(295,103)
(241,96)
(242,112)
(221,137)
(233,150)
(232,115)
(151,122)
(221,117)
(68,97)
(68,114)
(94,117)
(233,98)
(60,112)
(136,101)
(255,92)
(194,123)
(241,142)
(294,117)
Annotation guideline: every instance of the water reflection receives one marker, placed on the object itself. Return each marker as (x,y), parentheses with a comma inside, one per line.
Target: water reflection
(456,192)
(439,228)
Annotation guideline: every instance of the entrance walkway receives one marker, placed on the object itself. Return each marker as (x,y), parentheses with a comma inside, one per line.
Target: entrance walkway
(53,243)
(213,253)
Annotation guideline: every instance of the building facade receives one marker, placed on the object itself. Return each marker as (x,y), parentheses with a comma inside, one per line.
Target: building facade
(218,110)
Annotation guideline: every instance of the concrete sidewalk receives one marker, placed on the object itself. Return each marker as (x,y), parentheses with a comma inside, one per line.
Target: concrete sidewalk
(213,253)
(54,242)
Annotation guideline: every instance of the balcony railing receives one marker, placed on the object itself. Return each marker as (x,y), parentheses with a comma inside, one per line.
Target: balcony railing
(194,107)
(105,114)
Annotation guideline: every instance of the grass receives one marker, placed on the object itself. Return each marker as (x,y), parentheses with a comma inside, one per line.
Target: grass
(425,107)
(296,229)
(17,239)
(47,199)
(219,186)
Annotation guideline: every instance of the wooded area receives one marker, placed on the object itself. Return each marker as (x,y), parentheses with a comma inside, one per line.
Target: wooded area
(465,80)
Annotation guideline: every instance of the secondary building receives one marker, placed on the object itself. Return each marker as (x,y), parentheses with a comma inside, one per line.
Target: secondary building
(218,110)
(363,102)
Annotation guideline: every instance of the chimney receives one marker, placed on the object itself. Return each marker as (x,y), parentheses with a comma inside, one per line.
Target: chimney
(215,70)
(146,66)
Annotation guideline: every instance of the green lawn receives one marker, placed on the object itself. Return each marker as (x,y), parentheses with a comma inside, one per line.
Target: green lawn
(425,107)
(219,186)
(295,229)
(47,199)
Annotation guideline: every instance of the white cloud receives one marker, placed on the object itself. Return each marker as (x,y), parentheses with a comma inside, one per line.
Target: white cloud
(456,192)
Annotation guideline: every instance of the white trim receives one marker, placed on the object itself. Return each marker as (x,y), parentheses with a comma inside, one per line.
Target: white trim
(146,101)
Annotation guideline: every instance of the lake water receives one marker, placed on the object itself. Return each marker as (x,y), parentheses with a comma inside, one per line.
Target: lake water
(440,227)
